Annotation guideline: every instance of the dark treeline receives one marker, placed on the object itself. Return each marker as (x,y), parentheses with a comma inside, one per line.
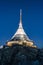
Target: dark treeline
(21,55)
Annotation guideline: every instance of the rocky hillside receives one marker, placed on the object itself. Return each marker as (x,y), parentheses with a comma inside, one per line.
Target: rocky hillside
(21,55)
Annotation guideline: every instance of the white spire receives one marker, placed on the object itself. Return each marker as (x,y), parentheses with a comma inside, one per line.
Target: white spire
(20,24)
(20,30)
(21,15)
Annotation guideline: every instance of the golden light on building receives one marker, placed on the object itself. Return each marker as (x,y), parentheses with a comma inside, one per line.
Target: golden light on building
(20,37)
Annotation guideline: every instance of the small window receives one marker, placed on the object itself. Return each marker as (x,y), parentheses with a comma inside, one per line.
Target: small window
(24,43)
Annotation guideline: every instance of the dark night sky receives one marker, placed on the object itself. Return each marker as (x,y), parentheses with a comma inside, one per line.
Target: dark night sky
(32,19)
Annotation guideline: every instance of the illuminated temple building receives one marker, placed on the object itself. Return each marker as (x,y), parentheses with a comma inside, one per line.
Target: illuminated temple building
(20,37)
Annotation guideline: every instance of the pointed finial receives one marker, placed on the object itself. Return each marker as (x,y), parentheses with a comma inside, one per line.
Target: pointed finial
(20,14)
(20,24)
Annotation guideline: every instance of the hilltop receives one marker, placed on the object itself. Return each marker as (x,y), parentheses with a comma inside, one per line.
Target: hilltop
(21,55)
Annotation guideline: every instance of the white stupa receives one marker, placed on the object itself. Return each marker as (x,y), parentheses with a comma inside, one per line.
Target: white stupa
(20,37)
